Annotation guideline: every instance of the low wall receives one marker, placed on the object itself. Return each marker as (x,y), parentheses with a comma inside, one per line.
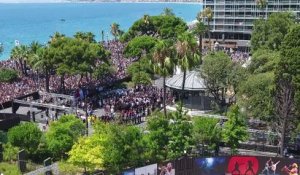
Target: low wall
(8,121)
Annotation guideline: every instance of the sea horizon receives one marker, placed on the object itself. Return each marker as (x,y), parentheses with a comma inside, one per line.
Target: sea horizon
(27,22)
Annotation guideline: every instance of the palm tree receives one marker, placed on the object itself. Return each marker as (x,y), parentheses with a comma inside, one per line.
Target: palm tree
(20,54)
(163,64)
(56,36)
(102,35)
(115,30)
(186,47)
(41,63)
(1,48)
(262,4)
(199,30)
(207,14)
(168,12)
(86,36)
(146,19)
(34,46)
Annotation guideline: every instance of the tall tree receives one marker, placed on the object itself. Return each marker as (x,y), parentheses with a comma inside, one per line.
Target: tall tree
(157,137)
(34,47)
(56,36)
(63,134)
(115,30)
(26,136)
(168,12)
(207,14)
(235,129)
(21,55)
(288,82)
(180,134)
(262,4)
(199,30)
(42,62)
(187,56)
(221,75)
(162,27)
(271,32)
(207,131)
(87,153)
(1,48)
(86,36)
(256,96)
(163,64)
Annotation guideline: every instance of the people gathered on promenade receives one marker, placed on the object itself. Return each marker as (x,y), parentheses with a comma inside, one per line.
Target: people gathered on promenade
(32,82)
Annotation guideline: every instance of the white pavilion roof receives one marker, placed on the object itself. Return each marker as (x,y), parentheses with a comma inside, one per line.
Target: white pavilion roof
(193,82)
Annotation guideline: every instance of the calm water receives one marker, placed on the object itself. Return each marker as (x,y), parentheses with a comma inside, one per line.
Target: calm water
(28,22)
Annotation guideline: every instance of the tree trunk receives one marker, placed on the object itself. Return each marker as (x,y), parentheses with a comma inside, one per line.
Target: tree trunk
(200,44)
(21,66)
(209,39)
(183,86)
(164,84)
(47,80)
(87,77)
(284,105)
(79,81)
(24,65)
(62,82)
(282,139)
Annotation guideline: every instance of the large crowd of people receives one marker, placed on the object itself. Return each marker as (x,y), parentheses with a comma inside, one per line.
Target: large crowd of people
(32,81)
(133,104)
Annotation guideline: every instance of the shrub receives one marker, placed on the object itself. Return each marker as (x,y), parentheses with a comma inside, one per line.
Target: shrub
(8,75)
(7,168)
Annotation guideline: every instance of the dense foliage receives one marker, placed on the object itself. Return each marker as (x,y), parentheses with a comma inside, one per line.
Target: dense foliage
(163,26)
(270,33)
(63,134)
(8,75)
(26,136)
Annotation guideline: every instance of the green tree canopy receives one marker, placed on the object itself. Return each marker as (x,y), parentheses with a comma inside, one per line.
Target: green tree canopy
(139,45)
(141,78)
(168,12)
(256,96)
(157,137)
(207,131)
(163,26)
(86,36)
(270,33)
(180,134)
(62,134)
(235,129)
(124,146)
(264,60)
(26,136)
(87,153)
(8,75)
(216,70)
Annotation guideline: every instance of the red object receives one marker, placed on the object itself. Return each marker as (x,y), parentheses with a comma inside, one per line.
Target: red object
(243,166)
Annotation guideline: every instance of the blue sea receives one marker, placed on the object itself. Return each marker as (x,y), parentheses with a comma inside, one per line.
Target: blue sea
(37,22)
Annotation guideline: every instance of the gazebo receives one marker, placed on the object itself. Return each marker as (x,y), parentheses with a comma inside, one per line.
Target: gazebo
(193,82)
(195,90)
